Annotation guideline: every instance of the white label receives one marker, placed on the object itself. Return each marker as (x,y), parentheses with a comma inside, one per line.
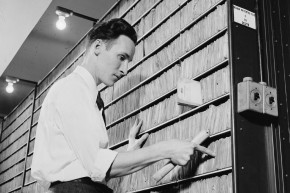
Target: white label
(244,17)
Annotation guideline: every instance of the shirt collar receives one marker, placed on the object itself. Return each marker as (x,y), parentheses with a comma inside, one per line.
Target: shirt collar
(90,81)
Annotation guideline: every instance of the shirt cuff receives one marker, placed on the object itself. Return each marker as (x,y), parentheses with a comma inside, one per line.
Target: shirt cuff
(103,163)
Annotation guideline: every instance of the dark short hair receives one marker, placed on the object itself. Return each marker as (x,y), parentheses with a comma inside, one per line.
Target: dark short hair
(111,30)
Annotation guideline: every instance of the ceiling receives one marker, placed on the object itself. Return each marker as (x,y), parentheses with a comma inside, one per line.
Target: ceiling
(45,46)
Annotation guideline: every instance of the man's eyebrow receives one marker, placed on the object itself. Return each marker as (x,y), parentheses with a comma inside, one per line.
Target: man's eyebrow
(127,56)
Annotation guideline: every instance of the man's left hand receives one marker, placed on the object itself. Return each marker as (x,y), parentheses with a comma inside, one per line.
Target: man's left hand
(134,143)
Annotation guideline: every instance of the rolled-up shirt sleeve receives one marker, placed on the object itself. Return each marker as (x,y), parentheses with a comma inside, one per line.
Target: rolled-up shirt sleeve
(84,130)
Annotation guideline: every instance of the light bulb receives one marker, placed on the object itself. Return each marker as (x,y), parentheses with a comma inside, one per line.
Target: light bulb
(60,24)
(10,87)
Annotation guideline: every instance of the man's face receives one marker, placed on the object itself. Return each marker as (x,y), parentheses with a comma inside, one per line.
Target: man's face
(113,59)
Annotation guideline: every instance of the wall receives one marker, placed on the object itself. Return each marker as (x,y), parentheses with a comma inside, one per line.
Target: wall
(177,39)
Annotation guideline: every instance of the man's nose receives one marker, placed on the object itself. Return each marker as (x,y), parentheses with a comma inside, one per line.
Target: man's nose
(124,68)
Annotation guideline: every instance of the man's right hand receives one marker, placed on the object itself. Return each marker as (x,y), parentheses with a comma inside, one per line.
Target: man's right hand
(179,151)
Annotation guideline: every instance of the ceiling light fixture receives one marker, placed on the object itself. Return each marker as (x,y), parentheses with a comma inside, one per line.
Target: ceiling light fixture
(13,80)
(63,13)
(61,24)
(10,81)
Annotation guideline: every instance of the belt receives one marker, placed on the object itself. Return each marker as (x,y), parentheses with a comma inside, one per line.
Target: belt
(85,180)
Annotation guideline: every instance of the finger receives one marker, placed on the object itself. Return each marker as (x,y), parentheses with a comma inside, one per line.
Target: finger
(134,130)
(204,150)
(140,123)
(137,128)
(166,161)
(136,122)
(143,139)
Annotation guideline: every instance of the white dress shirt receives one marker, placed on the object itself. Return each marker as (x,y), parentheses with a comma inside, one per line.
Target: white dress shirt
(71,138)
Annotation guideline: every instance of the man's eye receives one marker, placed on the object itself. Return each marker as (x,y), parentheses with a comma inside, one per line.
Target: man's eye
(122,58)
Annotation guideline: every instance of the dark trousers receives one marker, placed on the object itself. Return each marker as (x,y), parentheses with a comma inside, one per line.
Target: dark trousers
(78,187)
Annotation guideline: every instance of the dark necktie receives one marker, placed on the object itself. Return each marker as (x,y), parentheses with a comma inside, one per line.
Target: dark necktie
(100,104)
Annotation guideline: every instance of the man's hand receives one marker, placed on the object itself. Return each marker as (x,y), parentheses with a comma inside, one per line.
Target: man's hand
(134,131)
(179,151)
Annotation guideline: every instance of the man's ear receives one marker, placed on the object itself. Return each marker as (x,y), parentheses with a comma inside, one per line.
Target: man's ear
(97,46)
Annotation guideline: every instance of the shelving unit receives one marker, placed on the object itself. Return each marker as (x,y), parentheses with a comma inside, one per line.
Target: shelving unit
(253,149)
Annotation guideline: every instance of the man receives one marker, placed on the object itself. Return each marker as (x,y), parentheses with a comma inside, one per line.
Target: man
(70,153)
